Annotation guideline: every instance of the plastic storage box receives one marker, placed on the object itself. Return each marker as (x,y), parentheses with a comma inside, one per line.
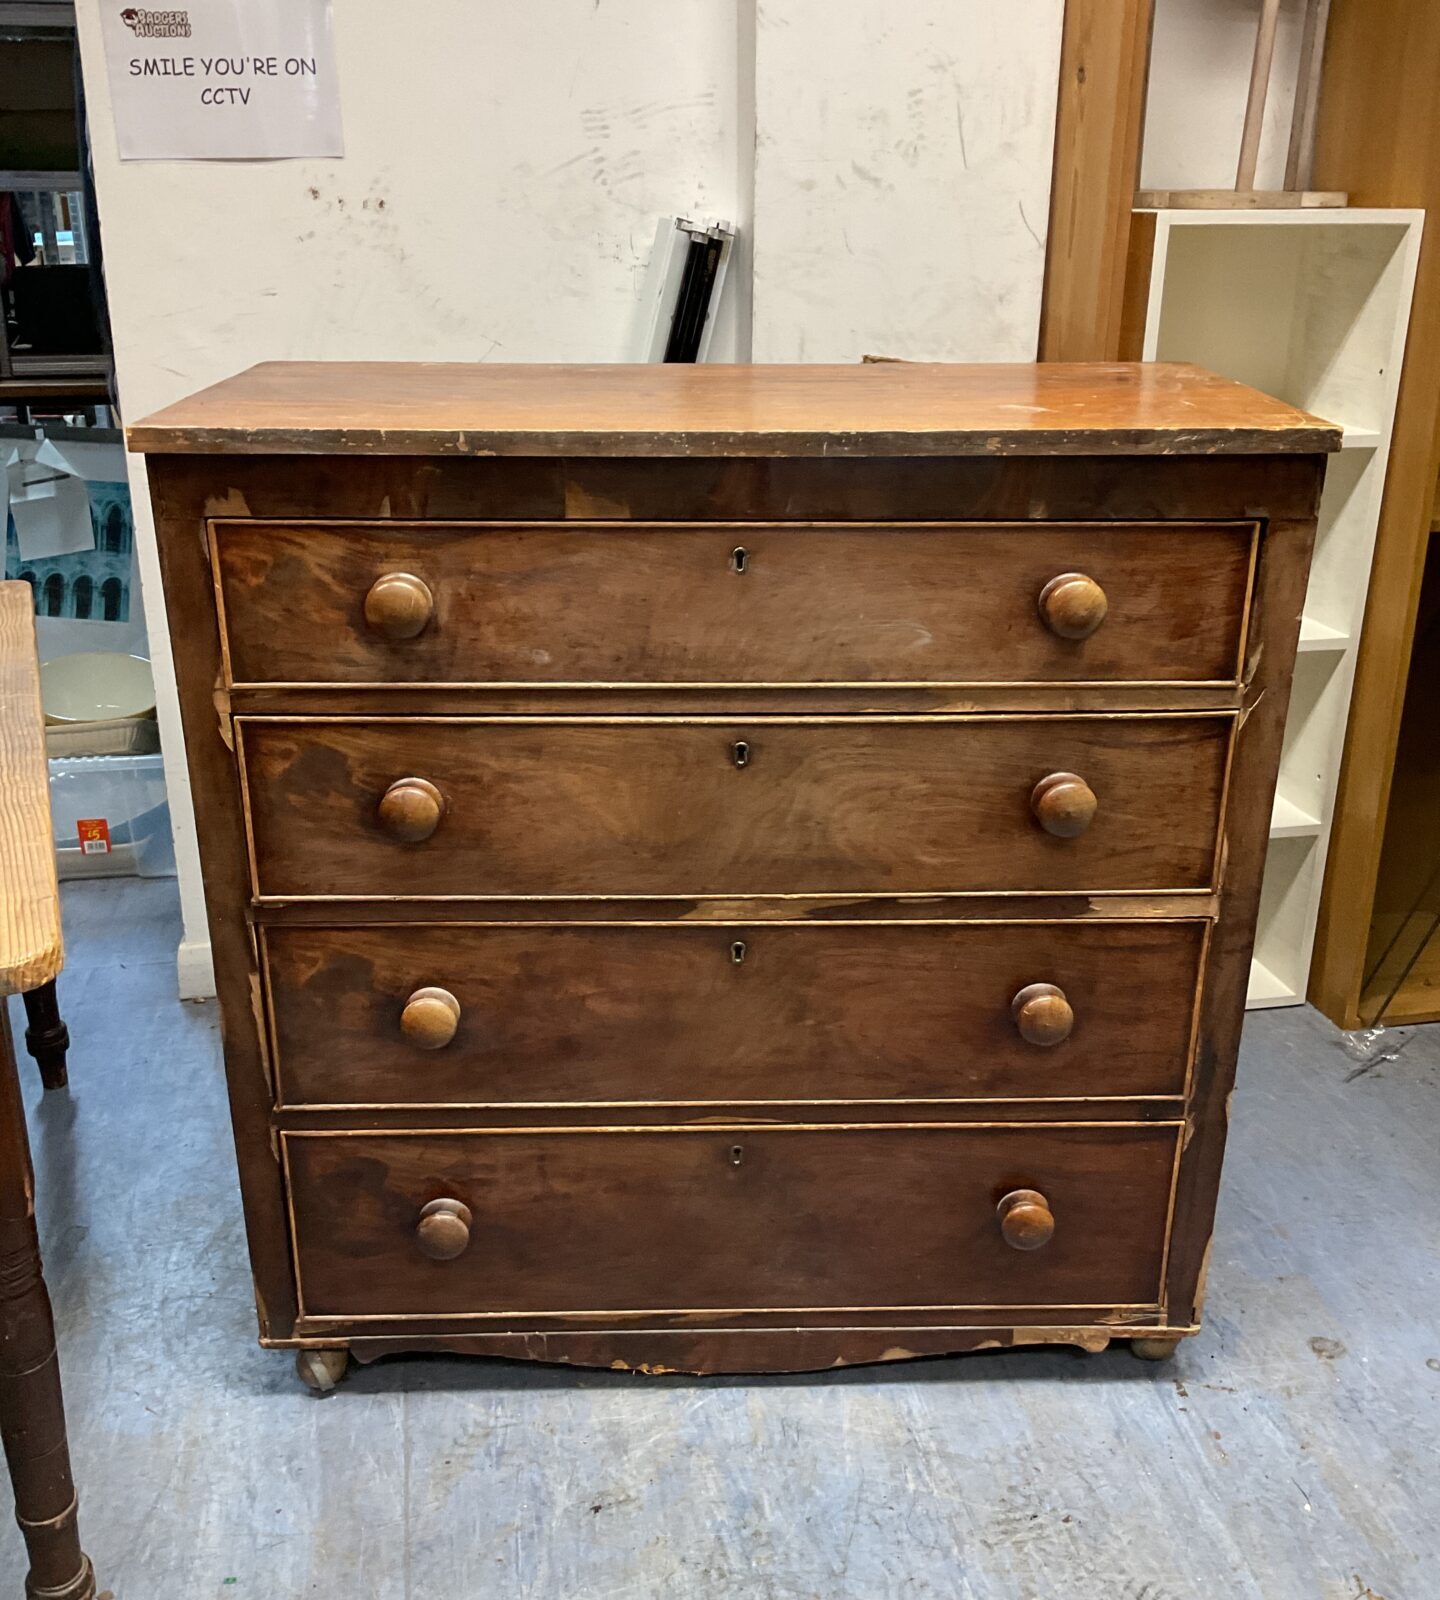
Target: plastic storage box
(111,817)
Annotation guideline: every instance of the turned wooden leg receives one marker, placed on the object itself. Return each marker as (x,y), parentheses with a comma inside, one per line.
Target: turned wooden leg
(1157,1349)
(321,1370)
(46,1036)
(32,1412)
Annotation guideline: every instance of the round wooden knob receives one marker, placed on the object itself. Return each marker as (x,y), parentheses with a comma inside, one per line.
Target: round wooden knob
(410,809)
(1073,606)
(1026,1221)
(443,1231)
(1041,1013)
(399,605)
(431,1017)
(1063,804)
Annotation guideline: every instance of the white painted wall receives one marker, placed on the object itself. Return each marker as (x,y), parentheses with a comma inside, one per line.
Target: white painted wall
(1199,80)
(902,178)
(505,167)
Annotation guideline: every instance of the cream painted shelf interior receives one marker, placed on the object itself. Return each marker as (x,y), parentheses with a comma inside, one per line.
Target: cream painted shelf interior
(1310,306)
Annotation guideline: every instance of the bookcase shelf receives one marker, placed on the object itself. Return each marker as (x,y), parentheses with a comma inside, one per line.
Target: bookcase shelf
(1312,307)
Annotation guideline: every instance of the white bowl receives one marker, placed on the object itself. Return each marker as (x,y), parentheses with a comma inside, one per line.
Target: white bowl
(98,686)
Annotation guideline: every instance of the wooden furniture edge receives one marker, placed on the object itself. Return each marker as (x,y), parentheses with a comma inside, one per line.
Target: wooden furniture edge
(1307,437)
(866,411)
(754,1350)
(31,946)
(182,537)
(1276,607)
(1378,81)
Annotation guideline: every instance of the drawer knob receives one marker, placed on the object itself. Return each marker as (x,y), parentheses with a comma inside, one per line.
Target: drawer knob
(1073,606)
(1064,805)
(399,605)
(1026,1221)
(443,1231)
(431,1017)
(1041,1012)
(410,810)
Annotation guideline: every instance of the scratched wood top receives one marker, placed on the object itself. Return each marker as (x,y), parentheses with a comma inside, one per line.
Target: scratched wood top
(872,409)
(30,947)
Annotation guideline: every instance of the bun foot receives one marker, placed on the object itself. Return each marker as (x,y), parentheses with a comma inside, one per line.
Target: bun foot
(321,1370)
(1159,1349)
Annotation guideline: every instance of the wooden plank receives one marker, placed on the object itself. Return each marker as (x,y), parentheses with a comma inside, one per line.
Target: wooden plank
(1166,906)
(1104,60)
(1300,158)
(1260,66)
(868,409)
(1382,63)
(31,951)
(1240,199)
(1139,269)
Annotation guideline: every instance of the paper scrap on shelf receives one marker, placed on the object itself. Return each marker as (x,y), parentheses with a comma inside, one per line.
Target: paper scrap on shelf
(52,514)
(97,463)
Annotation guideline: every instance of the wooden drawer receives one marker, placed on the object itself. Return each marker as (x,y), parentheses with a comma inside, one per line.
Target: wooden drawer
(688,1013)
(586,603)
(717,1219)
(644,806)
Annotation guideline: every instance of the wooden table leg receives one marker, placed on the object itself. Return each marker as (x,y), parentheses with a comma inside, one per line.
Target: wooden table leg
(32,1411)
(46,1036)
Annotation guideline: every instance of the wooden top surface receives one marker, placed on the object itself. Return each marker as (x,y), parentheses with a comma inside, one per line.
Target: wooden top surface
(872,409)
(30,948)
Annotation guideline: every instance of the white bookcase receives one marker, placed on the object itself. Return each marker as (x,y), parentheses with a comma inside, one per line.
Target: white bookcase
(1312,307)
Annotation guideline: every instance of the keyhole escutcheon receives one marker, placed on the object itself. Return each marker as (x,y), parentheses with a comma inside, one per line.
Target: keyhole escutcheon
(740,753)
(739,558)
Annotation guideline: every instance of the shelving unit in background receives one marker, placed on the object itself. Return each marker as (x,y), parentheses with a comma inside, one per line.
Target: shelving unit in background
(56,196)
(1311,306)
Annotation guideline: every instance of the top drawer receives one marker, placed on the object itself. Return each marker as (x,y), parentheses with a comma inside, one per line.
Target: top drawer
(743,603)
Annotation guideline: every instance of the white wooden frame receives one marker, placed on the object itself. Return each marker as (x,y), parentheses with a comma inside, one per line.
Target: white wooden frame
(1313,307)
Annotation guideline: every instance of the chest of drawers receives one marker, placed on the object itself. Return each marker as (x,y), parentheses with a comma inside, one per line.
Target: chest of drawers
(731,868)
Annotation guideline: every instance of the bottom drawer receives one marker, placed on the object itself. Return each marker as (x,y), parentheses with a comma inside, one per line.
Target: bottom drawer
(726,1219)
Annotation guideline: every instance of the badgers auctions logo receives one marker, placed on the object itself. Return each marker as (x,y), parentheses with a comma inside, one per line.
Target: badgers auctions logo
(156,24)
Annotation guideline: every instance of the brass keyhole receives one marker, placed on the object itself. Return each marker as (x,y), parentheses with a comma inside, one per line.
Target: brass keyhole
(738,952)
(741,753)
(737,1154)
(739,558)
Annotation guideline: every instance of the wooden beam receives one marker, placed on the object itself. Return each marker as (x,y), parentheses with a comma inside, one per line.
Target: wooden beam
(1300,157)
(1099,125)
(1382,62)
(1260,67)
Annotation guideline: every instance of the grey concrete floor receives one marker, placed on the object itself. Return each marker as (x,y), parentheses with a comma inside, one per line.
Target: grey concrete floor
(1288,1453)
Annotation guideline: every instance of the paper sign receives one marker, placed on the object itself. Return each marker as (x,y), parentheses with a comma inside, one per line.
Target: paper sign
(222,80)
(52,515)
